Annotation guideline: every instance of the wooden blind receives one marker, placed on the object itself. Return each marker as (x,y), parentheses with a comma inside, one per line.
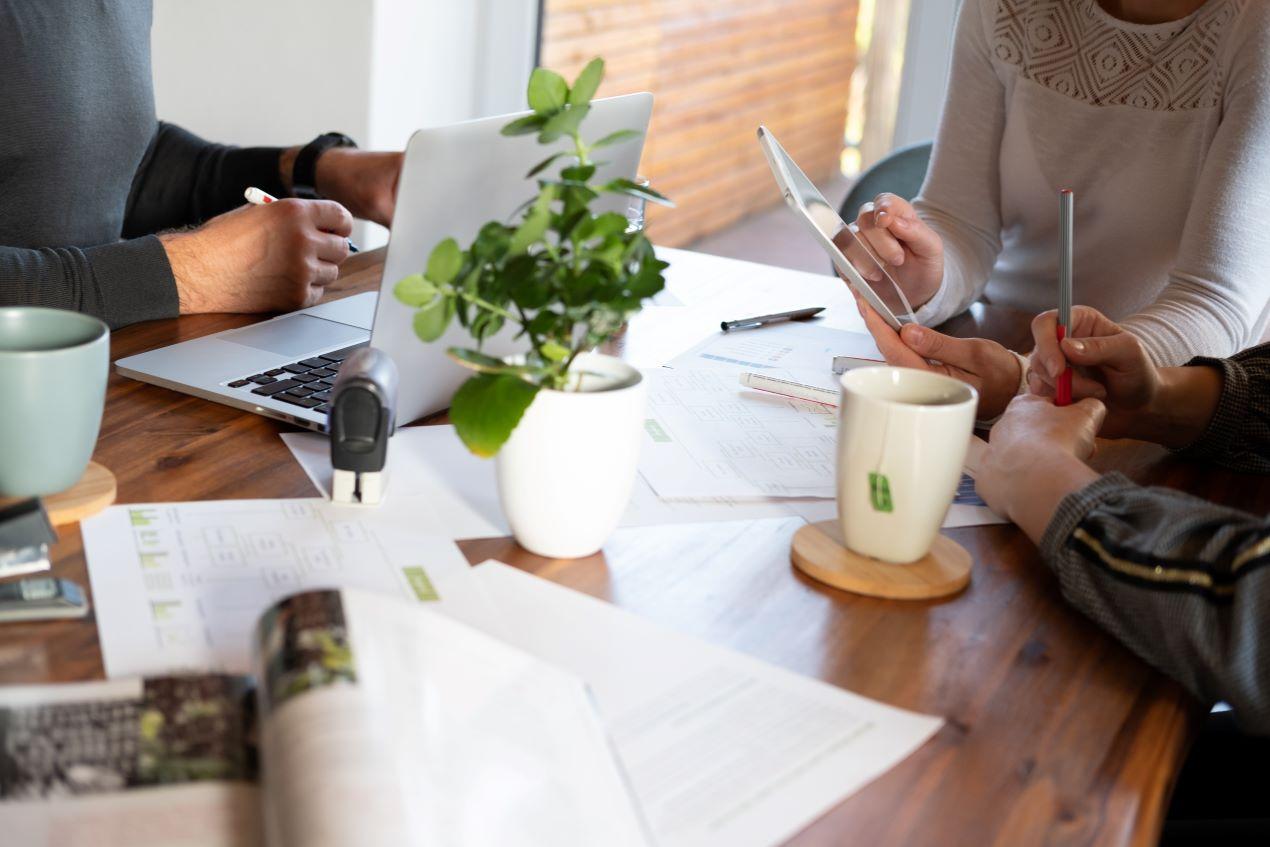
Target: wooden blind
(717,68)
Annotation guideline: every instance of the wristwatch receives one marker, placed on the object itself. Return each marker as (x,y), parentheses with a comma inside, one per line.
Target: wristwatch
(304,171)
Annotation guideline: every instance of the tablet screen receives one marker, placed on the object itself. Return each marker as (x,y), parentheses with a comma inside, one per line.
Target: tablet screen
(803,196)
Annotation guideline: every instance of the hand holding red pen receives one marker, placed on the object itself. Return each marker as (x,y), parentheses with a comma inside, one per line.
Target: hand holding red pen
(1109,363)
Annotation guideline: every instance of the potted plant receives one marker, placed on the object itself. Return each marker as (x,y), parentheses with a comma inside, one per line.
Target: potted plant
(565,422)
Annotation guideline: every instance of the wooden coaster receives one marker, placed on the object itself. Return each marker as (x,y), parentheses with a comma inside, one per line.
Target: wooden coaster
(818,551)
(94,492)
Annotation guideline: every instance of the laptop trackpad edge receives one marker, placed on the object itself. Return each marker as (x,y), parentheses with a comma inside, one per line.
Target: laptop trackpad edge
(296,335)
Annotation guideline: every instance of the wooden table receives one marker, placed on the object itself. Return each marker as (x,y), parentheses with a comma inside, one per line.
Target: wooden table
(1054,732)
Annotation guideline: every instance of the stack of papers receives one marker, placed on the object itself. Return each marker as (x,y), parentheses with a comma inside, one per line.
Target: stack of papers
(717,747)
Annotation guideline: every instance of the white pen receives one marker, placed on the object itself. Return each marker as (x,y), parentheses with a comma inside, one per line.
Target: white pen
(787,388)
(258,197)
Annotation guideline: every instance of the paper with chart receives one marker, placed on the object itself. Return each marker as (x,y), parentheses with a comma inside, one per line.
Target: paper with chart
(705,435)
(720,748)
(179,586)
(803,352)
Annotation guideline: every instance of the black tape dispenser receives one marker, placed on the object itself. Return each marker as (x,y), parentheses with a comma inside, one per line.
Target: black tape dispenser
(361,420)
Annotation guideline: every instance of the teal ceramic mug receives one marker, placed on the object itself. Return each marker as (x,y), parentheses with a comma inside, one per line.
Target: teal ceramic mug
(53,367)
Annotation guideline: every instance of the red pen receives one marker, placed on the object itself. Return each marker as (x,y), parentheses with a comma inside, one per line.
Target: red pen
(1066,226)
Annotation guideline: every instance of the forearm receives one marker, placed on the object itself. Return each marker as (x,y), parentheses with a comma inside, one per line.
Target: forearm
(1051,476)
(1182,409)
(1178,580)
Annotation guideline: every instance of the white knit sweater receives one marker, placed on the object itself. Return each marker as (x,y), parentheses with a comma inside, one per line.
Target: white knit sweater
(1163,131)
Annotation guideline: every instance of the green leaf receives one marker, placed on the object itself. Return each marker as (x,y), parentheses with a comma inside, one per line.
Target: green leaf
(430,321)
(616,138)
(445,262)
(587,83)
(543,165)
(578,173)
(563,123)
(554,352)
(485,325)
(414,291)
(544,322)
(535,224)
(634,189)
(548,91)
(487,408)
(524,126)
(608,224)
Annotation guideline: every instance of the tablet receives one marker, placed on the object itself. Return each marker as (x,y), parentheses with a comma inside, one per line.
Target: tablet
(822,220)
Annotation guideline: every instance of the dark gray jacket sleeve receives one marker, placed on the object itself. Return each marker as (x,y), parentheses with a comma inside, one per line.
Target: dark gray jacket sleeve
(1180,581)
(1238,436)
(184,180)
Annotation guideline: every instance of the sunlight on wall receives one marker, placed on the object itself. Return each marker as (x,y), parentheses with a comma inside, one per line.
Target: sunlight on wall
(873,99)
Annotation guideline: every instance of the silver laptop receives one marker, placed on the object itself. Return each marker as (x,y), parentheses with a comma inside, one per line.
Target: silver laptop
(454,179)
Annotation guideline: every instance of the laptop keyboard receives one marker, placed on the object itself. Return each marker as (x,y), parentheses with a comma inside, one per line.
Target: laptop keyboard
(306,383)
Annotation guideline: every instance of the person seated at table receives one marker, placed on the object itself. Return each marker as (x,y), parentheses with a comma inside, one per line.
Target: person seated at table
(1181,581)
(88,175)
(1156,113)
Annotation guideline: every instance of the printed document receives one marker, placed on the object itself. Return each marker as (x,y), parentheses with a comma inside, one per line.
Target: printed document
(456,492)
(178,586)
(720,748)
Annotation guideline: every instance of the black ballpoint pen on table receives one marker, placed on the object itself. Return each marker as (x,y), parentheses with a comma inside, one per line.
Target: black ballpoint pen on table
(764,320)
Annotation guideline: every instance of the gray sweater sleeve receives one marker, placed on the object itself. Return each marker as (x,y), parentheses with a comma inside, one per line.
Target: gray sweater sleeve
(121,283)
(182,181)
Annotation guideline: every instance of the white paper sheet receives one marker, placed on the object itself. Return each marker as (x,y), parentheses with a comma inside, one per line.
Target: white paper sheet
(720,748)
(458,494)
(179,586)
(449,491)
(708,436)
(448,737)
(806,349)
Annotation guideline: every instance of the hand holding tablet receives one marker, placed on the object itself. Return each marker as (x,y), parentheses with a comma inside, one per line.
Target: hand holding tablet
(876,285)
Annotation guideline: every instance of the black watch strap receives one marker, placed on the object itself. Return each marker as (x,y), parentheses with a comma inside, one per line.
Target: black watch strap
(304,171)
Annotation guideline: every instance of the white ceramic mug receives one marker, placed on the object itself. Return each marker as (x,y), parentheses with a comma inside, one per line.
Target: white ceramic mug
(902,441)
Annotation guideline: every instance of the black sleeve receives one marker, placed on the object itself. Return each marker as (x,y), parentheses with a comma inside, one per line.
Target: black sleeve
(121,283)
(1182,582)
(184,180)
(1238,436)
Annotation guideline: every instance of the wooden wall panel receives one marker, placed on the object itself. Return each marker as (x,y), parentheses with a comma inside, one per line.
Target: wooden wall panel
(718,68)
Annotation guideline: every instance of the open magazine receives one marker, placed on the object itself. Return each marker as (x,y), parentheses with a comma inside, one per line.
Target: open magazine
(369,721)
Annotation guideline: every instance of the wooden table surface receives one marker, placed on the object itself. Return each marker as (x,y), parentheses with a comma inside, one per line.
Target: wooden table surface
(1054,732)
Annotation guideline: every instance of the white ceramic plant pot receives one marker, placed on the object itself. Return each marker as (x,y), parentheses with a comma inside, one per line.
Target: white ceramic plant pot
(565,475)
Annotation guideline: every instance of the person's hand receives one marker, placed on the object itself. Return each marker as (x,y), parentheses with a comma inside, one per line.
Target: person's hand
(913,252)
(1036,456)
(987,366)
(364,182)
(1109,363)
(272,258)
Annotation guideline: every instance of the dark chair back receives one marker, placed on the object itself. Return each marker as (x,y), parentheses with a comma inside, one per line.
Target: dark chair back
(901,173)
